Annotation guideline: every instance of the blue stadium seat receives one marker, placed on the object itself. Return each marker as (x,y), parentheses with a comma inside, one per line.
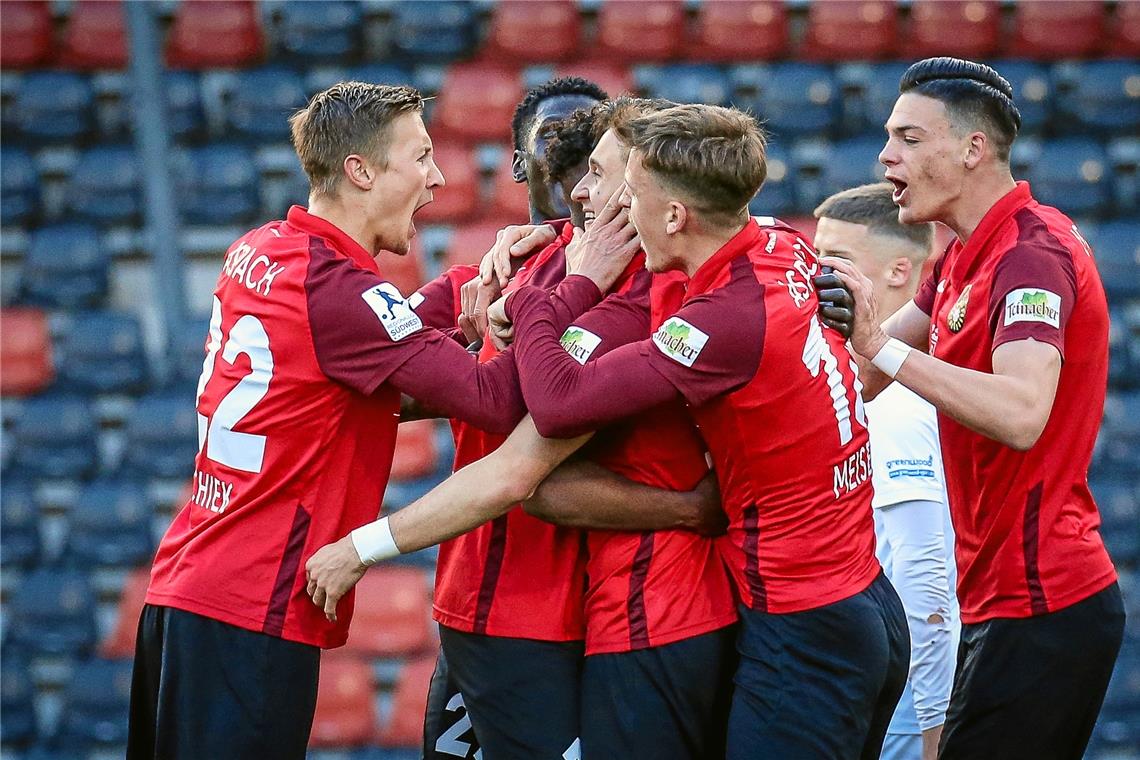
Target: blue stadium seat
(16,703)
(869,92)
(809,162)
(55,105)
(1119,505)
(319,31)
(110,524)
(1124,156)
(55,438)
(1071,173)
(777,196)
(1120,434)
(66,267)
(791,99)
(162,436)
(1032,92)
(684,83)
(217,184)
(19,523)
(433,31)
(104,186)
(1117,732)
(262,101)
(1116,246)
(187,353)
(53,613)
(1123,351)
(19,186)
(103,353)
(382,73)
(96,705)
(184,114)
(1099,96)
(853,162)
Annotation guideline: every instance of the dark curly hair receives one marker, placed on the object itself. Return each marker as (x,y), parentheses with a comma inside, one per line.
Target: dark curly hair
(528,106)
(571,140)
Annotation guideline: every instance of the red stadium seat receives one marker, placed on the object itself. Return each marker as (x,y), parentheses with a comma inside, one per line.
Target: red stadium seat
(963,28)
(210,33)
(1048,31)
(740,30)
(459,198)
(392,615)
(653,30)
(96,36)
(470,241)
(405,272)
(346,705)
(477,102)
(120,642)
(25,352)
(534,31)
(405,726)
(416,455)
(1125,28)
(25,33)
(614,78)
(839,30)
(509,198)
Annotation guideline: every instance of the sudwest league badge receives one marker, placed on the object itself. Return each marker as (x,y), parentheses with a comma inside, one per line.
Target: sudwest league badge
(957,316)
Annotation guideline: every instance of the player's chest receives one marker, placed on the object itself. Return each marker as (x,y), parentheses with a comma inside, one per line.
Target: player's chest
(959,327)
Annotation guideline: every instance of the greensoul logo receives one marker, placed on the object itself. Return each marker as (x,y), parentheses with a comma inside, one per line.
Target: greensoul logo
(579,343)
(1033,305)
(680,341)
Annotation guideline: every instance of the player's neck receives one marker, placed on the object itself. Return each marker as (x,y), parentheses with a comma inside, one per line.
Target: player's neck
(702,244)
(971,207)
(348,221)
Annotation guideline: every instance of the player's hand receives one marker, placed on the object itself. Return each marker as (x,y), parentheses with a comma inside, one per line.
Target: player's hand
(867,336)
(710,519)
(608,245)
(502,329)
(512,244)
(331,572)
(835,302)
(475,298)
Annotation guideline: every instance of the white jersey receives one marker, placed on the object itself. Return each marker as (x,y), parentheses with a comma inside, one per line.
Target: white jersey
(916,547)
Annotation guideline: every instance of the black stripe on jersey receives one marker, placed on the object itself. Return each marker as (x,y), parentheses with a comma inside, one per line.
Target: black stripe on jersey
(638,618)
(756,587)
(496,548)
(287,573)
(1030,532)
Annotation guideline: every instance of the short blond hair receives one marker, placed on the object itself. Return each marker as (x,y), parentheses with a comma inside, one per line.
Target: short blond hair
(347,118)
(713,157)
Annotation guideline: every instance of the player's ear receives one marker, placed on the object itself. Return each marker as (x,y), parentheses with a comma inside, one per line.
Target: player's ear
(676,217)
(518,166)
(976,149)
(359,172)
(898,272)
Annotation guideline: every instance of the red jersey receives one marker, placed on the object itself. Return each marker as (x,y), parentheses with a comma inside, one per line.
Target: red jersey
(298,403)
(776,398)
(1025,524)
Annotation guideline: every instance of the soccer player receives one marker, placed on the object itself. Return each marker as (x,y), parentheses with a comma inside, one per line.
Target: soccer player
(308,350)
(1008,339)
(915,543)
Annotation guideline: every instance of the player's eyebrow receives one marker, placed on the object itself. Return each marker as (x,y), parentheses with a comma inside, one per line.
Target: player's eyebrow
(904,128)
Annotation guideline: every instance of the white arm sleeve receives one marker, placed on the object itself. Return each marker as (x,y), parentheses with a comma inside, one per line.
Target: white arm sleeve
(915,533)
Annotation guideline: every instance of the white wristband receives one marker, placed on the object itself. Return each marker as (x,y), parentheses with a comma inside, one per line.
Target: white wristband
(891,357)
(374,542)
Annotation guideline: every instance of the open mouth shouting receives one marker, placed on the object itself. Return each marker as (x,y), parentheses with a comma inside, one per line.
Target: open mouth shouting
(899,195)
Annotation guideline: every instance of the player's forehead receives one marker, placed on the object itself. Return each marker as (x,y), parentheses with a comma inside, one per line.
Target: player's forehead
(607,154)
(839,235)
(917,112)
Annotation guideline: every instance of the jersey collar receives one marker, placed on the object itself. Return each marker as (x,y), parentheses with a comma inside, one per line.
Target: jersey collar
(703,279)
(1008,205)
(300,218)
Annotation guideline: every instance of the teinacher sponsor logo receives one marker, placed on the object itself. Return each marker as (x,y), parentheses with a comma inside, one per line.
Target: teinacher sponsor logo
(680,341)
(1033,305)
(579,343)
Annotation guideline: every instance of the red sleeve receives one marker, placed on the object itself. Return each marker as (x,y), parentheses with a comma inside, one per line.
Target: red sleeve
(438,302)
(621,317)
(928,288)
(1033,292)
(364,334)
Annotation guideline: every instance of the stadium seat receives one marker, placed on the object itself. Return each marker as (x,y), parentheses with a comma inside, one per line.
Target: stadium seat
(1050,31)
(102,352)
(55,438)
(1119,506)
(66,267)
(777,195)
(1032,92)
(739,30)
(684,83)
(19,186)
(184,114)
(214,33)
(509,199)
(790,99)
(25,33)
(25,351)
(110,524)
(840,30)
(469,242)
(19,523)
(809,161)
(614,78)
(54,106)
(653,30)
(162,436)
(1099,96)
(262,101)
(1125,29)
(17,703)
(1120,431)
(961,28)
(95,36)
(53,613)
(104,186)
(459,200)
(379,73)
(869,92)
(1116,246)
(405,724)
(346,709)
(533,31)
(393,612)
(415,455)
(120,641)
(1071,173)
(470,88)
(1124,156)
(325,31)
(433,31)
(852,162)
(96,705)
(217,184)
(187,351)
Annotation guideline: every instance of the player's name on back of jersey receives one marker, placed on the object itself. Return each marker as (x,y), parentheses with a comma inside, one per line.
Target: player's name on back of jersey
(254,270)
(211,492)
(853,471)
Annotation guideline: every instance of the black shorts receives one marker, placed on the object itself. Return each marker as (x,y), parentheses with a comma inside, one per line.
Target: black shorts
(669,701)
(202,688)
(522,695)
(821,683)
(448,733)
(1033,687)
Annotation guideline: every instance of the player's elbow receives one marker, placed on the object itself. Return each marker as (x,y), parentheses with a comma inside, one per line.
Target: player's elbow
(556,423)
(1025,430)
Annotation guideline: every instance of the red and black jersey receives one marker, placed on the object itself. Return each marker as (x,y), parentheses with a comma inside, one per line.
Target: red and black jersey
(1025,523)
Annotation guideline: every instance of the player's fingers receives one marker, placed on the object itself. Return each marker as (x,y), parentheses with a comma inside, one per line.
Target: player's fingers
(832,313)
(613,207)
(330,607)
(844,328)
(836,297)
(319,597)
(539,237)
(470,333)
